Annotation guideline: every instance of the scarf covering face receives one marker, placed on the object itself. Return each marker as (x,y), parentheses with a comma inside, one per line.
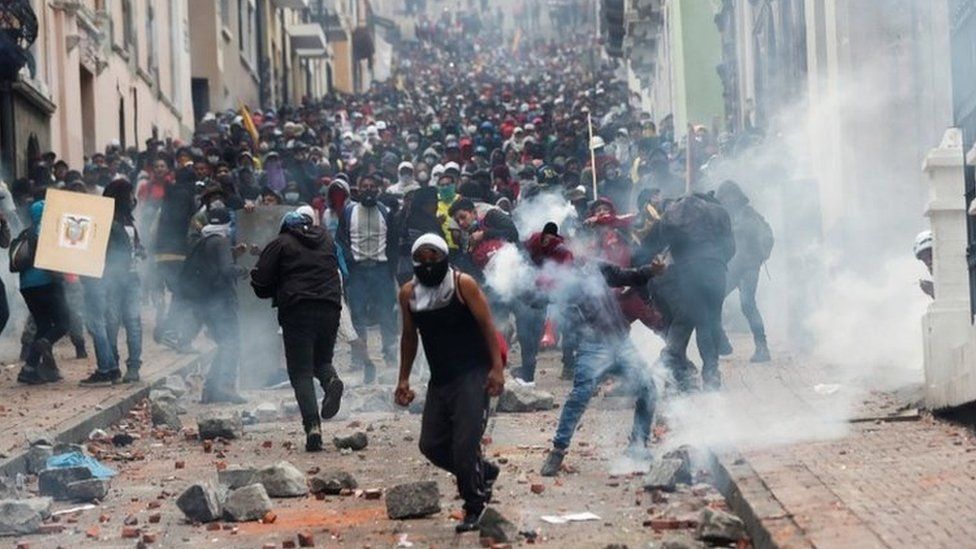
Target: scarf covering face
(429,298)
(222,230)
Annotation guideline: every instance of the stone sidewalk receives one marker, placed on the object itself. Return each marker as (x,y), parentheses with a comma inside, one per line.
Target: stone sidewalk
(815,463)
(68,411)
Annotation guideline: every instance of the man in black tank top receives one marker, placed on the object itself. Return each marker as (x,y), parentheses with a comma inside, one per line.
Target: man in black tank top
(451,314)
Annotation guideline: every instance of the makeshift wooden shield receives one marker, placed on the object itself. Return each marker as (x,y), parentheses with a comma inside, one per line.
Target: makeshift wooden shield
(74,233)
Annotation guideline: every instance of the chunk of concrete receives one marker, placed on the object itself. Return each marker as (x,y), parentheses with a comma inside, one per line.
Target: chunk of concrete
(519,399)
(166,412)
(719,527)
(498,528)
(332,482)
(220,424)
(247,503)
(355,442)
(23,516)
(282,480)
(665,474)
(199,503)
(87,490)
(236,477)
(54,482)
(173,384)
(37,458)
(265,412)
(413,500)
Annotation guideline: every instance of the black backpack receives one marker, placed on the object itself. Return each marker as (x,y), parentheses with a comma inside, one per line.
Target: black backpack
(22,251)
(198,277)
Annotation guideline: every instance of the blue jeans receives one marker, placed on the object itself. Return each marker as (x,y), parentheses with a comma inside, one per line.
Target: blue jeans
(594,360)
(530,323)
(371,295)
(95,306)
(124,302)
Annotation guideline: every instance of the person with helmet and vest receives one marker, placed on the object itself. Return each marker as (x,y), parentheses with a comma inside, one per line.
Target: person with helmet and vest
(447,311)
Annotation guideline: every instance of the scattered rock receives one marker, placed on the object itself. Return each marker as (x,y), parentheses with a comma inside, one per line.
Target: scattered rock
(199,503)
(282,480)
(332,482)
(355,442)
(54,482)
(37,458)
(720,527)
(162,395)
(518,399)
(665,474)
(165,412)
(413,500)
(92,489)
(237,477)
(247,503)
(305,539)
(173,384)
(265,412)
(497,527)
(23,516)
(537,488)
(131,532)
(675,541)
(220,424)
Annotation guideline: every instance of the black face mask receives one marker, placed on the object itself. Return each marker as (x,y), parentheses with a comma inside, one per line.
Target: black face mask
(368,199)
(431,274)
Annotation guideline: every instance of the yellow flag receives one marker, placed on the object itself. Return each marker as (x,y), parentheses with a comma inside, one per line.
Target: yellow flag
(249,123)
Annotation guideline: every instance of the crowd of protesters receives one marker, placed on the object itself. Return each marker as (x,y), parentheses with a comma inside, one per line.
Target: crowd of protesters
(419,184)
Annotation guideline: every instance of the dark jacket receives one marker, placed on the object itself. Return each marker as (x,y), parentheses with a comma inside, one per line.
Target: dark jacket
(177,207)
(299,265)
(119,254)
(594,307)
(209,272)
(695,228)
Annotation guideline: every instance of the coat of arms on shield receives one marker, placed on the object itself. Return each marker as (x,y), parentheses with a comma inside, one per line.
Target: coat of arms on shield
(75,231)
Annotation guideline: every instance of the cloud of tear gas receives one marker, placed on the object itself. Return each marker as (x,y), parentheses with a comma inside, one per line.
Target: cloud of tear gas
(532,214)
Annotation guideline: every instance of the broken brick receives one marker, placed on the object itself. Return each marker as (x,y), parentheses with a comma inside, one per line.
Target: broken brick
(288,544)
(207,446)
(537,488)
(104,518)
(50,529)
(213,526)
(155,504)
(149,537)
(269,546)
(267,444)
(305,539)
(130,532)
(320,496)
(665,524)
(180,464)
(23,545)
(155,518)
(269,517)
(93,532)
(457,515)
(221,465)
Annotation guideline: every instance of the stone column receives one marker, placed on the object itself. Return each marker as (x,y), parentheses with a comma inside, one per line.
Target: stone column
(946,325)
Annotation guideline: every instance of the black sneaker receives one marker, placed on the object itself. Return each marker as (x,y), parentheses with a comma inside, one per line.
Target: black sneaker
(332,399)
(102,378)
(47,367)
(471,522)
(313,441)
(29,376)
(554,461)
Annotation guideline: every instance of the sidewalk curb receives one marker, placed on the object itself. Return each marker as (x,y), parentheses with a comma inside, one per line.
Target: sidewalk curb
(113,411)
(767,522)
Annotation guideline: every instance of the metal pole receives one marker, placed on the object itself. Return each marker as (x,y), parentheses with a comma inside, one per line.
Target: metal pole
(589,123)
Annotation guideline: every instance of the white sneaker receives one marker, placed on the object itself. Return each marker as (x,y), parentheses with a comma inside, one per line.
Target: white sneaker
(524,383)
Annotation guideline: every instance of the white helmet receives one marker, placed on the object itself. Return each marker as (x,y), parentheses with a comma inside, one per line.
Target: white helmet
(597,142)
(922,242)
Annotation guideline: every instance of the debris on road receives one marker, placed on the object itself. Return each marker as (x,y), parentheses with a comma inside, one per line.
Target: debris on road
(519,399)
(23,516)
(355,442)
(247,503)
(282,480)
(332,482)
(497,528)
(719,527)
(413,500)
(572,517)
(236,477)
(220,424)
(199,503)
(666,474)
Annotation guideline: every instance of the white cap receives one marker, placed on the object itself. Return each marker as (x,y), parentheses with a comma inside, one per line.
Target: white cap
(922,242)
(452,166)
(430,240)
(380,125)
(596,142)
(403,165)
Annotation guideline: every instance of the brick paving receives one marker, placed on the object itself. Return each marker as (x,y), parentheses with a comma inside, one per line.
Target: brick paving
(870,483)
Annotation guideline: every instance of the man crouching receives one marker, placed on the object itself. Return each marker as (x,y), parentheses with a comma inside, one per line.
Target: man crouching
(451,314)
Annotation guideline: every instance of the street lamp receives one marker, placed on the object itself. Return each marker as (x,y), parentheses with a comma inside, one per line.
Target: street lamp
(18,30)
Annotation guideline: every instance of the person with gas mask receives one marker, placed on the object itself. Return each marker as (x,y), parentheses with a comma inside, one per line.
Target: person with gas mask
(299,271)
(447,311)
(363,235)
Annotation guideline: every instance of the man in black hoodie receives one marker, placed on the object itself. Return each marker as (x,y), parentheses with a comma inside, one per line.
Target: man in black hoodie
(300,273)
(176,210)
